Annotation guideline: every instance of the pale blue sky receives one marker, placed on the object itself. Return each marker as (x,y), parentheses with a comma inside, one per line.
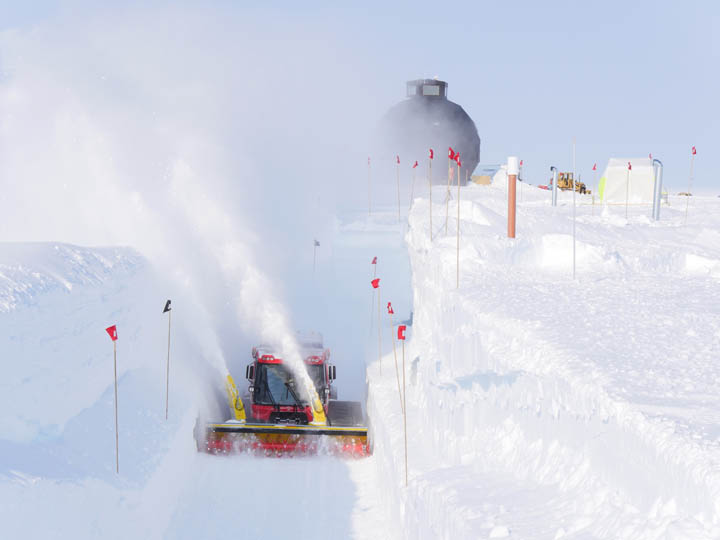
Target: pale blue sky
(626,78)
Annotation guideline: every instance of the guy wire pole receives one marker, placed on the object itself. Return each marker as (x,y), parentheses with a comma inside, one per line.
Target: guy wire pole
(117,437)
(690,179)
(167,310)
(397,374)
(573,188)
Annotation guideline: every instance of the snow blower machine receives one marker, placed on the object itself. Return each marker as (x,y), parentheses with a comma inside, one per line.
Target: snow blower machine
(279,416)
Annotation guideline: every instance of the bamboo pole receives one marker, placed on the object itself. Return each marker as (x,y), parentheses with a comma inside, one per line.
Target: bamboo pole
(167,375)
(397,375)
(117,437)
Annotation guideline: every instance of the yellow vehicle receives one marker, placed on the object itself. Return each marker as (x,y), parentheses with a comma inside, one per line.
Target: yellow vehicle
(565,182)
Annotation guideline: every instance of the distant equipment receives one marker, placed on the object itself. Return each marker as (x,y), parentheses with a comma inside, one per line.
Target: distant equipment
(565,182)
(427,119)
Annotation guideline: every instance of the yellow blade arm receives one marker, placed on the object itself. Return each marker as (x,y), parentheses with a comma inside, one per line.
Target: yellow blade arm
(236,403)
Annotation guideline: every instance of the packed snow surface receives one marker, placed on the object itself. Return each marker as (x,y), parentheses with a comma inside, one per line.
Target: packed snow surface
(539,406)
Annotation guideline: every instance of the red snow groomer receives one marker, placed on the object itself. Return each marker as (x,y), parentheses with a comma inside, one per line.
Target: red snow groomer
(283,414)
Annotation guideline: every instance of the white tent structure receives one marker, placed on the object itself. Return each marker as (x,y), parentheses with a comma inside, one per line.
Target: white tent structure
(618,184)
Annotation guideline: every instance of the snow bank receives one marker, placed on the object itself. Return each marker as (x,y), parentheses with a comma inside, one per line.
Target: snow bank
(591,405)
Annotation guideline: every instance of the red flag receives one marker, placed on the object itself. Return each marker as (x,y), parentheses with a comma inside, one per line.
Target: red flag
(521,162)
(650,155)
(694,151)
(112,332)
(390,309)
(595,167)
(375,283)
(415,165)
(451,153)
(457,159)
(374,261)
(397,159)
(401,332)
(629,166)
(432,154)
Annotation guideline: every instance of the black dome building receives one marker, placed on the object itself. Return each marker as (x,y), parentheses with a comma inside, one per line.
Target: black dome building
(427,119)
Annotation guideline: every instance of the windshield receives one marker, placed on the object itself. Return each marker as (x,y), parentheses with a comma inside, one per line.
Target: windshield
(275,384)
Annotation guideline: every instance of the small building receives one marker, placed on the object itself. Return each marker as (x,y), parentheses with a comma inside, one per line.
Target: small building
(618,183)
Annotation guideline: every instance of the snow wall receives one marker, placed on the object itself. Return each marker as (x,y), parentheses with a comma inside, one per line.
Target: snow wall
(581,432)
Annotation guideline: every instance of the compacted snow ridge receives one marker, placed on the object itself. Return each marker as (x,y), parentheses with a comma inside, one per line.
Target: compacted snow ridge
(545,407)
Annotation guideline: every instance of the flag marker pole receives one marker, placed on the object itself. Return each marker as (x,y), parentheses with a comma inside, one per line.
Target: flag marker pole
(397,374)
(690,179)
(369,212)
(412,187)
(457,286)
(167,377)
(314,254)
(117,436)
(627,191)
(447,194)
(372,298)
(404,412)
(379,332)
(573,188)
(398,184)
(430,183)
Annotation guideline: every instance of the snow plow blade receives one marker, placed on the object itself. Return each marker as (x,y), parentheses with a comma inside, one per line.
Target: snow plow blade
(287,439)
